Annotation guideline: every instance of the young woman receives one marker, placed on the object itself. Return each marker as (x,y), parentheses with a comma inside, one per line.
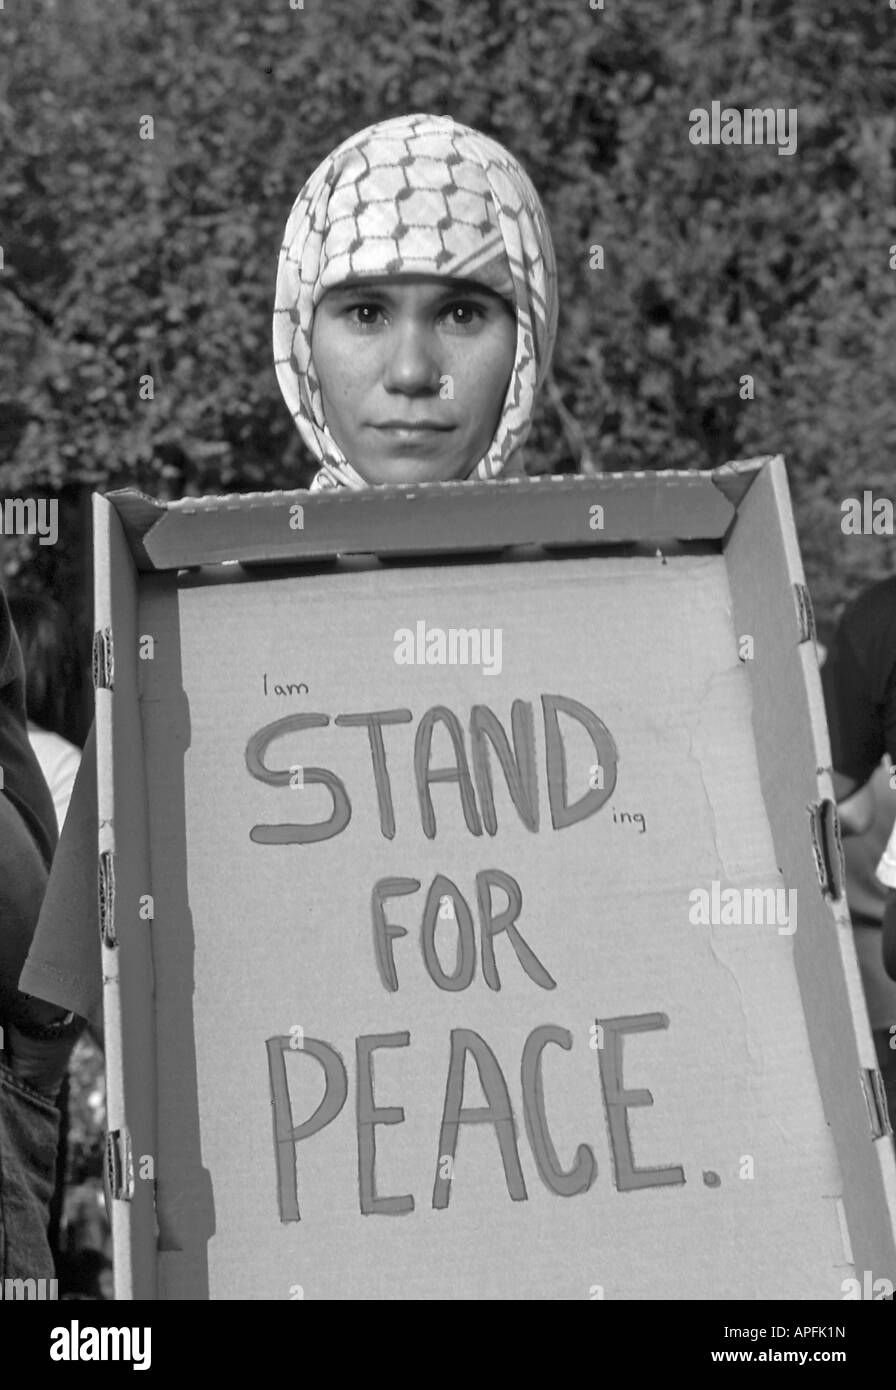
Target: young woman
(416,306)
(414,322)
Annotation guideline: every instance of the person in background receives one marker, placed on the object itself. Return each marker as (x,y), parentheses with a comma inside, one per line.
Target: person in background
(886,872)
(859,682)
(52,676)
(52,694)
(34,1039)
(867,899)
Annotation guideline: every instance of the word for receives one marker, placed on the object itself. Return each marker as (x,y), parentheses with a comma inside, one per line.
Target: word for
(753,126)
(477,803)
(736,907)
(77,1343)
(29,516)
(498,1112)
(491,924)
(458,646)
(873,516)
(288,689)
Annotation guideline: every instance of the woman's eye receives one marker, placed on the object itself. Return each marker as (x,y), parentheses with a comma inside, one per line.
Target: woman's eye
(364,314)
(464,313)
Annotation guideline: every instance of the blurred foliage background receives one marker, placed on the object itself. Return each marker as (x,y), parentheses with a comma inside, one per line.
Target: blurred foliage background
(123,257)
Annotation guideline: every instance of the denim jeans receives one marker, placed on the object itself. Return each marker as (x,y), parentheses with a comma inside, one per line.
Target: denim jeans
(29,1135)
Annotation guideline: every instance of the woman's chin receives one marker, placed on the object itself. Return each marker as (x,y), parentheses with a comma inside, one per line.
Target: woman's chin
(410,470)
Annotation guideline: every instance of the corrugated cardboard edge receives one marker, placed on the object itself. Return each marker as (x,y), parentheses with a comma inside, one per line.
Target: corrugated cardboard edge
(137,513)
(121,880)
(736,477)
(788,694)
(278,527)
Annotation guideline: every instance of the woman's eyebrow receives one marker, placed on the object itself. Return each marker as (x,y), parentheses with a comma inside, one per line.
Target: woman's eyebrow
(352,289)
(468,287)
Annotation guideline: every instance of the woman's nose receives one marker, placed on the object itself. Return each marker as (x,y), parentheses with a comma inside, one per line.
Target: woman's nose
(412,361)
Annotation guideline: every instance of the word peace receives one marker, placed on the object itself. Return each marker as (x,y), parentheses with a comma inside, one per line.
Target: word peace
(498,1112)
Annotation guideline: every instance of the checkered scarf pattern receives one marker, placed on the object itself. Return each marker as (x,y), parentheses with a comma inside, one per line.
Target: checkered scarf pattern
(418,194)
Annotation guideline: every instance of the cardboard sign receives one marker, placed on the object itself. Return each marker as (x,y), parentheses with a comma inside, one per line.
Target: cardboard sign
(468,915)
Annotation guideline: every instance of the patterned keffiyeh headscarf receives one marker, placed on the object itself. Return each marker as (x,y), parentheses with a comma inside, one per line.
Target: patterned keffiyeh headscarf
(425,195)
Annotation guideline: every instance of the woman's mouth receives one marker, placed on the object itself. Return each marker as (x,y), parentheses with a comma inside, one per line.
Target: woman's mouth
(412,433)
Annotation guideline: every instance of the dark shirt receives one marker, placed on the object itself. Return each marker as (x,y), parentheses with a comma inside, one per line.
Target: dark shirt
(27,822)
(22,780)
(859,682)
(866,896)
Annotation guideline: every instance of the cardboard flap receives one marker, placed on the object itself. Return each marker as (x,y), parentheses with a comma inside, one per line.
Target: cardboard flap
(137,514)
(272,527)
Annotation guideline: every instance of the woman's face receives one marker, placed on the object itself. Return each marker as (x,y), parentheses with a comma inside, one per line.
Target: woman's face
(413,370)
